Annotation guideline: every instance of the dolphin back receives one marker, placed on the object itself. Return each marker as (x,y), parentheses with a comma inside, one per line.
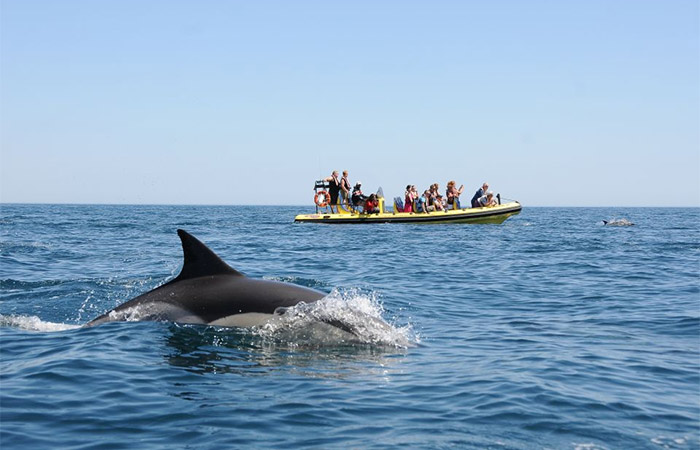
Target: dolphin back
(200,260)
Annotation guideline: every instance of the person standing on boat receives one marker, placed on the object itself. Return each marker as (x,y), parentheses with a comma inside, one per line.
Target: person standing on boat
(408,200)
(345,188)
(333,189)
(480,193)
(453,194)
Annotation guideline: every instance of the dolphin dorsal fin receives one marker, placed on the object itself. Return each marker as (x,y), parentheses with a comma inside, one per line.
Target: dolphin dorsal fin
(200,261)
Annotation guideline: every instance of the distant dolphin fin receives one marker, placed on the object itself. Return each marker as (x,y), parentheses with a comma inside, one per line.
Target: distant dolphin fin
(200,261)
(605,222)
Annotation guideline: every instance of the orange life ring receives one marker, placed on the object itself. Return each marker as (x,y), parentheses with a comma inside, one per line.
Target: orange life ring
(321,199)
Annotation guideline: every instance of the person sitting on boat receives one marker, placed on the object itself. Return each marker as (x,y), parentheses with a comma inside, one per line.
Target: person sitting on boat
(333,190)
(371,205)
(422,204)
(480,193)
(453,194)
(438,203)
(487,200)
(434,190)
(358,198)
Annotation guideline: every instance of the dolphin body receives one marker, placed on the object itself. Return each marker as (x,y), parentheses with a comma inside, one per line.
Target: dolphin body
(210,292)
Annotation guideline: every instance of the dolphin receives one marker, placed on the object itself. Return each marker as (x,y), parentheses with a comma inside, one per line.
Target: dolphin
(210,292)
(618,223)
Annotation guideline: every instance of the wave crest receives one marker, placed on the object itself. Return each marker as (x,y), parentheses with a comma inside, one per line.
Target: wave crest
(33,323)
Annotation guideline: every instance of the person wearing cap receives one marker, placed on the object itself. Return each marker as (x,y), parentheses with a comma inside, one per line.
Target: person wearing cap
(438,203)
(480,193)
(358,197)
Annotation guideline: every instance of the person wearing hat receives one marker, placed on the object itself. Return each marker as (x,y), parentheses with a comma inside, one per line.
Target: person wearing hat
(438,203)
(358,198)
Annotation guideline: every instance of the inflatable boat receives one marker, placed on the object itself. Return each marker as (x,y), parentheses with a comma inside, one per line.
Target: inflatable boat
(348,214)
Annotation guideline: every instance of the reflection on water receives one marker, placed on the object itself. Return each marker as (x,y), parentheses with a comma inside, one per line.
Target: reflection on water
(205,350)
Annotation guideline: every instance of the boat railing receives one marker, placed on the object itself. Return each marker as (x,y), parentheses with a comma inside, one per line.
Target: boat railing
(320,184)
(505,200)
(347,208)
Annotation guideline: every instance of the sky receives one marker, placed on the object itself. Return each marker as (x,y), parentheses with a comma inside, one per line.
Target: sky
(554,103)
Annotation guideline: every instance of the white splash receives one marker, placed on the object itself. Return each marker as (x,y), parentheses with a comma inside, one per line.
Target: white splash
(669,442)
(618,223)
(132,314)
(33,323)
(588,447)
(360,314)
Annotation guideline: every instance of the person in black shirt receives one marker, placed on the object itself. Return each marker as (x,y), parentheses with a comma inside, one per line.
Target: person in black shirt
(358,198)
(480,193)
(333,189)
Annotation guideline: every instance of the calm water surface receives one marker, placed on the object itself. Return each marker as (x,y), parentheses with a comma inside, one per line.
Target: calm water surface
(550,331)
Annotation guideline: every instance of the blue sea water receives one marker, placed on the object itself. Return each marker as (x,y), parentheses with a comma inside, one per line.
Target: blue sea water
(549,331)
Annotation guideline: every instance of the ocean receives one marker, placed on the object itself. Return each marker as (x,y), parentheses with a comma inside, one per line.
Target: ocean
(549,331)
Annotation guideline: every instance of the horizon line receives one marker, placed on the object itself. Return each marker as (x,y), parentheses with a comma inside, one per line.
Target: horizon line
(2,203)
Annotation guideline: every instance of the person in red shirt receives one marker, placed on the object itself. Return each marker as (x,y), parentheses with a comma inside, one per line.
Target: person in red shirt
(371,205)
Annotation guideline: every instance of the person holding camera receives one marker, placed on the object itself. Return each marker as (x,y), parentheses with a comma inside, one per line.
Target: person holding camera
(422,204)
(480,193)
(358,198)
(371,205)
(333,190)
(487,200)
(453,194)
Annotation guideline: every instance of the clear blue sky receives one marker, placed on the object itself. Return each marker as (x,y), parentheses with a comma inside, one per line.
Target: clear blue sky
(571,103)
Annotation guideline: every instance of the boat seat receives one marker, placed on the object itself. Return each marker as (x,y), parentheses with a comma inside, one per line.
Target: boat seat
(398,204)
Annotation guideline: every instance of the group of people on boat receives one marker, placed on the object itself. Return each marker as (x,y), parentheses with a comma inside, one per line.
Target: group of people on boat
(340,187)
(430,200)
